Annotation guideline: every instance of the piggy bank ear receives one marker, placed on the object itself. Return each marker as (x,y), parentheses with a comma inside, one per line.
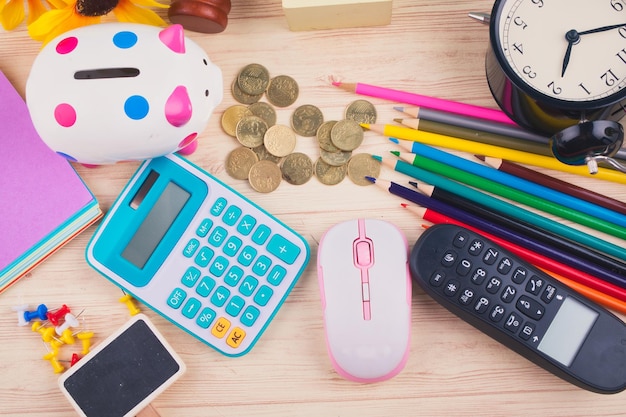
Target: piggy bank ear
(174,38)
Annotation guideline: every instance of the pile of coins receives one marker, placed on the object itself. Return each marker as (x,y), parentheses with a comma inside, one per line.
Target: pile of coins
(266,155)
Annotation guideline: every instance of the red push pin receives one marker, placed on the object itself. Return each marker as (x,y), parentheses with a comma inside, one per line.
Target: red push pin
(75,358)
(55,316)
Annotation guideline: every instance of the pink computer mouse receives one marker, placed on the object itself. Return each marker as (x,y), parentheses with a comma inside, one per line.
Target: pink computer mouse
(365,285)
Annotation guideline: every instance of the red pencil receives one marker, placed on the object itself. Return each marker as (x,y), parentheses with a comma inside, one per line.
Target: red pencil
(561,270)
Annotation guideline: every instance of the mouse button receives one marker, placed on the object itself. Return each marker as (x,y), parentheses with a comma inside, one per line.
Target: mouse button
(363,253)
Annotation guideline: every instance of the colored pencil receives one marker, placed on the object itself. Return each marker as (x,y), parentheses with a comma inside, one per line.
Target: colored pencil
(595,263)
(502,183)
(479,125)
(473,123)
(540,261)
(485,227)
(426,101)
(505,207)
(475,135)
(555,183)
(463,145)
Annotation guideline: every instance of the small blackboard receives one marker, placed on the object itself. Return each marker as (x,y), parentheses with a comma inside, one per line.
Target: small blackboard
(123,374)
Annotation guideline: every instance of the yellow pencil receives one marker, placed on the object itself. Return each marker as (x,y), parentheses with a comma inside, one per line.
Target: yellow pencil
(513,155)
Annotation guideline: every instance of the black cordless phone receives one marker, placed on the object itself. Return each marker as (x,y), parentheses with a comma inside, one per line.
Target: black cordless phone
(522,307)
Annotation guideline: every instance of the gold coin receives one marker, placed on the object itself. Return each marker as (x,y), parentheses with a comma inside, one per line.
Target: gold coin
(232,116)
(323,136)
(253,79)
(347,135)
(250,131)
(282,91)
(239,162)
(279,140)
(264,176)
(361,165)
(328,174)
(243,97)
(361,111)
(264,111)
(335,158)
(262,153)
(306,119)
(297,168)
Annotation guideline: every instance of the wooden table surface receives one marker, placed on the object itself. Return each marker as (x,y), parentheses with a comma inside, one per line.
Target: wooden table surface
(430,47)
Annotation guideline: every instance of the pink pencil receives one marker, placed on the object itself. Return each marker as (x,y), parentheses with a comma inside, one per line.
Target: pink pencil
(435,103)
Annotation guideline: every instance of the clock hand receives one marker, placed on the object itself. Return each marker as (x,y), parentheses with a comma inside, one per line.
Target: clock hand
(601,29)
(572,37)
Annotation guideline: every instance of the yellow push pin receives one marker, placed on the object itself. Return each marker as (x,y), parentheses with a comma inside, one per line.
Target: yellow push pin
(56,365)
(47,333)
(67,337)
(85,338)
(129,301)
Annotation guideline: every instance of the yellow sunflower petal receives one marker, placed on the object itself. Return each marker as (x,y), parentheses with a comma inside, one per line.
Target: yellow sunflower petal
(35,9)
(55,22)
(126,11)
(12,14)
(150,3)
(60,4)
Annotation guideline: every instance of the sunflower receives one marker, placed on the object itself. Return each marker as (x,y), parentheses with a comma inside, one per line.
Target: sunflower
(70,14)
(12,12)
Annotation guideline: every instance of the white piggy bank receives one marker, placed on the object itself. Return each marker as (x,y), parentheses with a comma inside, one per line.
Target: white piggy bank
(121,91)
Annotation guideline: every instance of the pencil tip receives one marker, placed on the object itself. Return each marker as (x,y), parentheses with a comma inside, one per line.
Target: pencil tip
(398,108)
(396,153)
(398,120)
(365,125)
(413,183)
(378,158)
(394,140)
(370,179)
(405,205)
(336,83)
(481,157)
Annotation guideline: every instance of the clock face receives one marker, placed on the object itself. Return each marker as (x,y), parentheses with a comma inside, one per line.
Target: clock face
(570,52)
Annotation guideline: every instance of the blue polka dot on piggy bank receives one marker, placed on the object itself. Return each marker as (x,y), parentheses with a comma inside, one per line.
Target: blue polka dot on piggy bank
(122,91)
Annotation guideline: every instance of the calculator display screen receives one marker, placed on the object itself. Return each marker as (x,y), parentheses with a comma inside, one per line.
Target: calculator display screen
(568,331)
(155,225)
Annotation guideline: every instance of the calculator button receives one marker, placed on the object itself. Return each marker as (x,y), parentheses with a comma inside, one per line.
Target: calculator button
(233,276)
(464,267)
(261,234)
(508,294)
(534,285)
(283,249)
(221,327)
(217,236)
(204,227)
(191,308)
(232,215)
(247,255)
(448,259)
(478,277)
(530,307)
(235,305)
(466,297)
(451,288)
(219,206)
(204,256)
(494,284)
(250,315)
(436,279)
(277,275)
(548,293)
(262,297)
(496,314)
(460,239)
(261,265)
(218,267)
(205,286)
(235,337)
(481,305)
(476,247)
(232,246)
(246,225)
(513,323)
(190,248)
(176,298)
(206,317)
(220,296)
(190,276)
(519,275)
(490,256)
(248,285)
(504,266)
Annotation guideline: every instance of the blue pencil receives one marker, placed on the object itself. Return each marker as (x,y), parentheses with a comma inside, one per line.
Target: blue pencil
(514,182)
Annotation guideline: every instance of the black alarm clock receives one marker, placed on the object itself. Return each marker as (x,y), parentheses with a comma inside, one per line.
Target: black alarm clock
(554,65)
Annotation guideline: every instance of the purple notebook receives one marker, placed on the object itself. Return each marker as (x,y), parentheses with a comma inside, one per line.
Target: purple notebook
(43,201)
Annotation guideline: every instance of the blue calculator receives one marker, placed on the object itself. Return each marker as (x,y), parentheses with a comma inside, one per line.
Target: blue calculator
(199,253)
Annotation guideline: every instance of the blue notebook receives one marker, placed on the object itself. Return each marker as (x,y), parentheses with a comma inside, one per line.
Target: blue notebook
(43,201)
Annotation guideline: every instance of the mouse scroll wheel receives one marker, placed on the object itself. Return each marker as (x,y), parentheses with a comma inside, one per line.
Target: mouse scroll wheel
(364,253)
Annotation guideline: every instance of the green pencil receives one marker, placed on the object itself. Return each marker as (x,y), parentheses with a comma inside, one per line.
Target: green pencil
(504,207)
(511,193)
